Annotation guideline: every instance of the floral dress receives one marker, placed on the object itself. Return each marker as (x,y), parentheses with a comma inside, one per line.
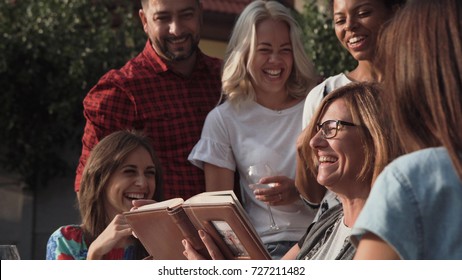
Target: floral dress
(68,243)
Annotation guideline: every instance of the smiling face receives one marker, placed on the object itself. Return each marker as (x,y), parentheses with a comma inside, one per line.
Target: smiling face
(273,59)
(133,179)
(357,24)
(340,158)
(173,27)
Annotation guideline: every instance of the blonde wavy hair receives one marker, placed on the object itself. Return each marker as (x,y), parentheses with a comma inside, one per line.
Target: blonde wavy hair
(240,53)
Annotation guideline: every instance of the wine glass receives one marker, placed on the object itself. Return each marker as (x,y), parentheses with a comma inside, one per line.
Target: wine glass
(9,252)
(256,172)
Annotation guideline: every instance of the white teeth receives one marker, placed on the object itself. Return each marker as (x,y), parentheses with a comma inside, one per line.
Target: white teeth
(273,72)
(327,159)
(134,195)
(177,40)
(355,39)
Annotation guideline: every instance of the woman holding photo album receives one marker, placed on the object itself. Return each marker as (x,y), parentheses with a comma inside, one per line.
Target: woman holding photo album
(122,168)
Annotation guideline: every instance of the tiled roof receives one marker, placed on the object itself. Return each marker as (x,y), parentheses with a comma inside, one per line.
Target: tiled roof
(220,16)
(233,7)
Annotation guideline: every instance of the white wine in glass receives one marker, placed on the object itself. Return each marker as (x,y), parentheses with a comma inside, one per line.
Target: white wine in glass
(255,173)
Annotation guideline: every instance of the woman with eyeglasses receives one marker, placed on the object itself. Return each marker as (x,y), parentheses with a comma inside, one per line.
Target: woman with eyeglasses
(357,24)
(340,148)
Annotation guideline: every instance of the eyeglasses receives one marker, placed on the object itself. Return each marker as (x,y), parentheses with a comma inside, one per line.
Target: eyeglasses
(330,128)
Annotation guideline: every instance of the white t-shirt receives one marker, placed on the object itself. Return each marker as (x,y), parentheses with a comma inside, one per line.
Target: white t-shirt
(239,137)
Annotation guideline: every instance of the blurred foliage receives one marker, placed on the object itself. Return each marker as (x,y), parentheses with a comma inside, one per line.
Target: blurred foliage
(51,53)
(321,44)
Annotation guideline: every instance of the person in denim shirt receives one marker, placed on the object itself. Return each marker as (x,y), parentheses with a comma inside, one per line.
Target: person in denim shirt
(414,208)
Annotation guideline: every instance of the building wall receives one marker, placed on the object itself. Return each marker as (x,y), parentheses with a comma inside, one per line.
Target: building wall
(16,215)
(27,219)
(213,48)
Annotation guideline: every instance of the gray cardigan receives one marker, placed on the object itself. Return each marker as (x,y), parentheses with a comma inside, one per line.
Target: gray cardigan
(318,233)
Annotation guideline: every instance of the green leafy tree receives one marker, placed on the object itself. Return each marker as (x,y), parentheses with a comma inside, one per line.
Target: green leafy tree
(51,53)
(321,44)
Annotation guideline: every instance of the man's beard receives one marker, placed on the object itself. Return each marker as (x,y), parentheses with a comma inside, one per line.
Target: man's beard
(171,56)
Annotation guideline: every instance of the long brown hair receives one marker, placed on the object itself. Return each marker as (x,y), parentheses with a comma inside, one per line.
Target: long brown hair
(420,55)
(104,160)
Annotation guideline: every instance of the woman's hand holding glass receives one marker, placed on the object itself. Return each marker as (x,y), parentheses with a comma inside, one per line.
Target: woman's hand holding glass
(256,173)
(282,190)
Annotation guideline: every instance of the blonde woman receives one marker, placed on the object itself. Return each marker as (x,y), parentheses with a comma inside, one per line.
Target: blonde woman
(266,77)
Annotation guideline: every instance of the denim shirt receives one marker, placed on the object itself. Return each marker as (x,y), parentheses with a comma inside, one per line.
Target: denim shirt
(415,206)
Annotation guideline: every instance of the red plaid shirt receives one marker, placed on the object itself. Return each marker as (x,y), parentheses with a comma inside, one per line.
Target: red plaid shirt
(145,95)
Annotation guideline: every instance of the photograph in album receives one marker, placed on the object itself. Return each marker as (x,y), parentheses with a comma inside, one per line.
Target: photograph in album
(162,226)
